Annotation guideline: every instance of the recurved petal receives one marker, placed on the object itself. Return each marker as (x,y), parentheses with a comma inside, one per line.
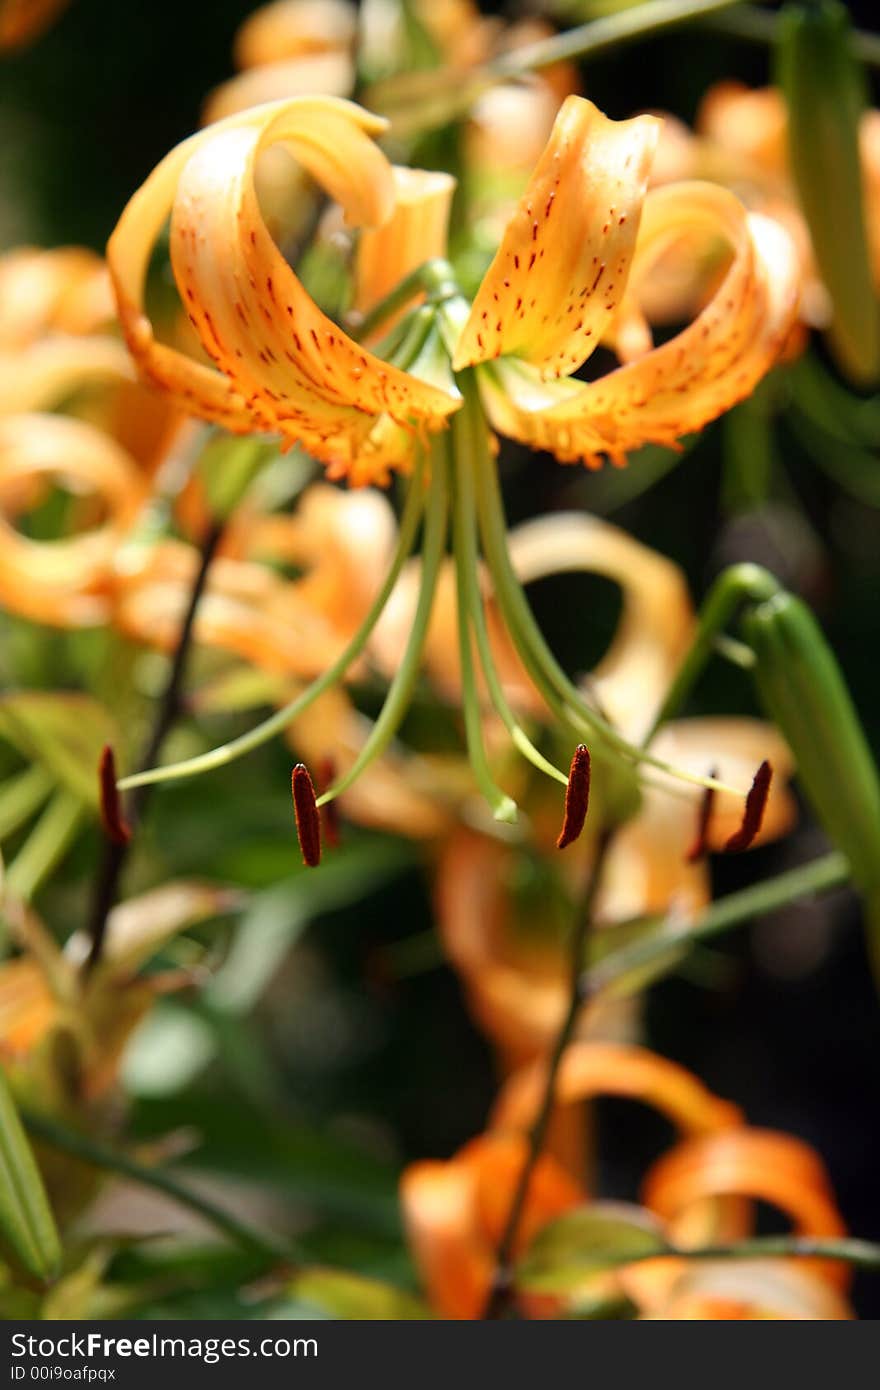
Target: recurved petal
(62,581)
(53,368)
(280,364)
(752,1163)
(614,1069)
(656,623)
(679,387)
(415,232)
(562,266)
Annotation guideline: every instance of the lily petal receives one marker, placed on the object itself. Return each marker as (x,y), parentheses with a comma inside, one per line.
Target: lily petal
(280,364)
(561,269)
(679,387)
(415,232)
(62,581)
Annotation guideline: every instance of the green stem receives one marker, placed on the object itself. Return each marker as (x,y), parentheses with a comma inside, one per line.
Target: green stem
(400,691)
(560,693)
(22,796)
(434,278)
(733,587)
(864,1254)
(468,426)
(254,738)
(672,937)
(78,1146)
(602,35)
(503,807)
(47,843)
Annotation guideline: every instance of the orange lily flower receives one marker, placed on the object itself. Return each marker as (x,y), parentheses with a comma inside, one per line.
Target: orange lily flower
(541,315)
(455,1210)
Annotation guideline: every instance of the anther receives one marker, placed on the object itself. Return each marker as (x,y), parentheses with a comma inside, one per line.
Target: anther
(116,828)
(329,811)
(700,845)
(753,812)
(308,820)
(577,797)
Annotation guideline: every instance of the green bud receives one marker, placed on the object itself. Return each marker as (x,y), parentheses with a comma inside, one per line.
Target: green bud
(803,691)
(824,90)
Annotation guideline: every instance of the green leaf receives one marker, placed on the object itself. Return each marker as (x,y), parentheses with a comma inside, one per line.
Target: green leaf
(65,732)
(335,1293)
(588,1241)
(28,1237)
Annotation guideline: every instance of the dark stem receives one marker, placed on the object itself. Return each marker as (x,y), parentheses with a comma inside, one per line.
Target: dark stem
(499,1298)
(115,855)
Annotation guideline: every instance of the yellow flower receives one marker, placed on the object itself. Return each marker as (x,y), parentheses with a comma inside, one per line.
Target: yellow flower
(570,262)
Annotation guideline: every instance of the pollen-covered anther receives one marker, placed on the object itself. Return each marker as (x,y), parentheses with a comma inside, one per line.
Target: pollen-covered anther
(577,797)
(308,818)
(329,811)
(116,828)
(753,812)
(700,845)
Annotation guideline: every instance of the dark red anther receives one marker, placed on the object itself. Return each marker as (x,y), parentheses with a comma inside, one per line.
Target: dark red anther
(577,797)
(308,821)
(753,813)
(700,846)
(329,811)
(116,828)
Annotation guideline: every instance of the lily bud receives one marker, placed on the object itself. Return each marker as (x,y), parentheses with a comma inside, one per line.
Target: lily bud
(825,95)
(802,689)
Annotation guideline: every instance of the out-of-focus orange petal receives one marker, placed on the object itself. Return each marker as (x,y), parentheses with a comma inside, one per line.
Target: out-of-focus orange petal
(758,1164)
(516,990)
(736,748)
(679,387)
(594,1068)
(52,369)
(27,1007)
(331,74)
(64,581)
(22,21)
(737,1290)
(455,1212)
(561,269)
(415,232)
(292,28)
(65,290)
(280,364)
(747,123)
(656,624)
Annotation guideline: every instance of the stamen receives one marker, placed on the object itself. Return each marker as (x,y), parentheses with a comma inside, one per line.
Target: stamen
(753,812)
(308,820)
(577,797)
(700,846)
(116,828)
(329,810)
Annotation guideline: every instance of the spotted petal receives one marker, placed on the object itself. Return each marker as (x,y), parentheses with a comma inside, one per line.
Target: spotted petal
(679,387)
(280,365)
(561,269)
